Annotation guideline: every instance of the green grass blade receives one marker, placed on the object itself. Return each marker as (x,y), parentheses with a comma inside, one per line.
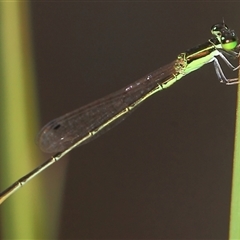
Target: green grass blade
(23,215)
(234,228)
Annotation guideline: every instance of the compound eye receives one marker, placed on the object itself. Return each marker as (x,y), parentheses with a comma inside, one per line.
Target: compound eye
(229,41)
(218,28)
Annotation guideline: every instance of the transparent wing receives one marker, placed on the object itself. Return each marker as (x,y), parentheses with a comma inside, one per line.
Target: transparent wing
(63,132)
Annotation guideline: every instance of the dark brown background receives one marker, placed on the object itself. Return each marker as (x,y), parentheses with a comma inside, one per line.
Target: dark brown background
(165,172)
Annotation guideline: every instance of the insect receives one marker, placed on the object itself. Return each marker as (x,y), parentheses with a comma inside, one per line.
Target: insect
(73,129)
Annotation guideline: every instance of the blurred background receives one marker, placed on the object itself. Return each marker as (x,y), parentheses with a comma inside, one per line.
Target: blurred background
(165,172)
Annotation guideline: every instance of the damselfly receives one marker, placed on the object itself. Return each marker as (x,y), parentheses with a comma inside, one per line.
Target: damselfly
(84,124)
